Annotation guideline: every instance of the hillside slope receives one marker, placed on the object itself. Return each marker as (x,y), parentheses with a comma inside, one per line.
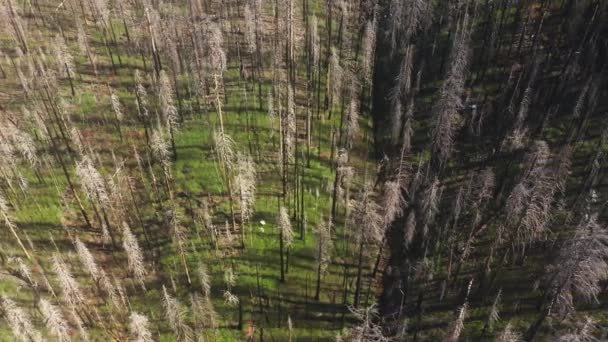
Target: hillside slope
(303,170)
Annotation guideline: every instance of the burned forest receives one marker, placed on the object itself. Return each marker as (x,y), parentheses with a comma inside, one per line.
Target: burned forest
(303,170)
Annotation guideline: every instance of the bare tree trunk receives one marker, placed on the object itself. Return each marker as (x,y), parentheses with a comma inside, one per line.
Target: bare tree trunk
(359,276)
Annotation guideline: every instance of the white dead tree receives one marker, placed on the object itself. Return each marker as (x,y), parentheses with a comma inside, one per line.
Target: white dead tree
(99,276)
(445,111)
(367,330)
(54,320)
(407,16)
(19,321)
(176,315)
(8,222)
(139,328)
(323,250)
(286,236)
(245,188)
(369,231)
(135,258)
(581,266)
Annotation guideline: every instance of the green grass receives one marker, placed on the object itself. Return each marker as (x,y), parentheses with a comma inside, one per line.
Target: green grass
(195,171)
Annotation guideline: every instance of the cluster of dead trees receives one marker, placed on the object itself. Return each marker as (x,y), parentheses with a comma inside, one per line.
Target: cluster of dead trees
(456,158)
(506,183)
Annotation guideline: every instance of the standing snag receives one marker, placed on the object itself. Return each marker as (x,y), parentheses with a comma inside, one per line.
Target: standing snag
(323,251)
(64,60)
(335,78)
(286,236)
(135,256)
(393,201)
(369,47)
(117,109)
(97,273)
(18,321)
(584,332)
(92,182)
(205,279)
(456,328)
(165,94)
(139,328)
(245,186)
(369,230)
(54,320)
(494,314)
(367,217)
(509,334)
(446,117)
(71,291)
(176,315)
(250,29)
(367,329)
(160,151)
(284,224)
(581,266)
(8,222)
